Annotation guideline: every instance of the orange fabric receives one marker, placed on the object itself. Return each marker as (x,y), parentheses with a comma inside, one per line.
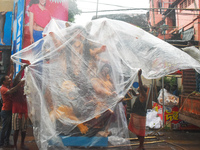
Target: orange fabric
(83,128)
(65,111)
(137,124)
(7,103)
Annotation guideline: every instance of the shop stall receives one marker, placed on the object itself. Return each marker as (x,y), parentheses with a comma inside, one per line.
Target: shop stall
(190,98)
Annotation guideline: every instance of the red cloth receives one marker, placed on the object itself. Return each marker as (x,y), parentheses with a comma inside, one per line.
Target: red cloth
(19,103)
(41,17)
(7,103)
(137,124)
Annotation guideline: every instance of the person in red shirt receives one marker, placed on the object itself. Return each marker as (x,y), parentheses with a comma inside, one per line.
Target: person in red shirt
(19,111)
(39,17)
(6,113)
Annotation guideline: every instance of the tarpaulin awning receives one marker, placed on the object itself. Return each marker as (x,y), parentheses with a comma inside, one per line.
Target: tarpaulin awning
(188,34)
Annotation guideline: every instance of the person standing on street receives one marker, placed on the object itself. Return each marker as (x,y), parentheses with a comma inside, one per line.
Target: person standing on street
(6,113)
(137,123)
(19,111)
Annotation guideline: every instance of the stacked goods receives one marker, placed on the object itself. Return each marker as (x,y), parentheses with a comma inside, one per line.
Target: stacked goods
(169,99)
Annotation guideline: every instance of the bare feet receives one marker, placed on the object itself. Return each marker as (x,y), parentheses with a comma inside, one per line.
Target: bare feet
(2,42)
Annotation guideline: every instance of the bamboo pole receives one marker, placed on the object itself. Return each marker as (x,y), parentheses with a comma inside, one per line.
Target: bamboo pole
(135,144)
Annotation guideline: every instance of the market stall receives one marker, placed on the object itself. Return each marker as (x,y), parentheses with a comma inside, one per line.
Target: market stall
(190,99)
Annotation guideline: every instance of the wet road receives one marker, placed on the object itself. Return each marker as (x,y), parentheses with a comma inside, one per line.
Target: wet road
(172,140)
(163,140)
(29,140)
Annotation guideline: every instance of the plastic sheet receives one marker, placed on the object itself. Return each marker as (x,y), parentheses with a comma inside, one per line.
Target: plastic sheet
(193,52)
(79,74)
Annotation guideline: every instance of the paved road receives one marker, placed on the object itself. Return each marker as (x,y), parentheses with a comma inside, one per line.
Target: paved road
(29,140)
(172,140)
(164,140)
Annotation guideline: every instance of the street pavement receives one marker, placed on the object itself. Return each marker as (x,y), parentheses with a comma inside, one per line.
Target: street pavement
(29,140)
(162,140)
(171,140)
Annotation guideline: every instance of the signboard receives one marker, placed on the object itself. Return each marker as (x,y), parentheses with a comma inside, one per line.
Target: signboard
(36,19)
(172,120)
(5,27)
(6,8)
(18,21)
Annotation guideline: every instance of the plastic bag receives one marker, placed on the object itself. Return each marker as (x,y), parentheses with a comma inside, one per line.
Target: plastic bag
(153,120)
(169,99)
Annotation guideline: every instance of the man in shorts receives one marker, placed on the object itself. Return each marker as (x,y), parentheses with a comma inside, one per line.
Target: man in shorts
(19,112)
(6,113)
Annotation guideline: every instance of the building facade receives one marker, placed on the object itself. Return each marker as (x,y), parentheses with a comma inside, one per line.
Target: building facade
(177,20)
(178,23)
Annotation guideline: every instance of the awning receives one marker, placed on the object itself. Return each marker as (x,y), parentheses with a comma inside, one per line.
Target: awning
(188,34)
(182,43)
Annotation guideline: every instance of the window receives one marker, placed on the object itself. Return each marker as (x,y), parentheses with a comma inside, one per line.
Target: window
(189,2)
(185,4)
(181,5)
(160,6)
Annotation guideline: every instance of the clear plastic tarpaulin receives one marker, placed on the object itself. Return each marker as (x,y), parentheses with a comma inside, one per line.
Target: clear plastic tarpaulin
(79,74)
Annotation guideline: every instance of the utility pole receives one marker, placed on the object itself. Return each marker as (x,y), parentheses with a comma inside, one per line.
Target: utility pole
(97,8)
(153,26)
(153,12)
(164,27)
